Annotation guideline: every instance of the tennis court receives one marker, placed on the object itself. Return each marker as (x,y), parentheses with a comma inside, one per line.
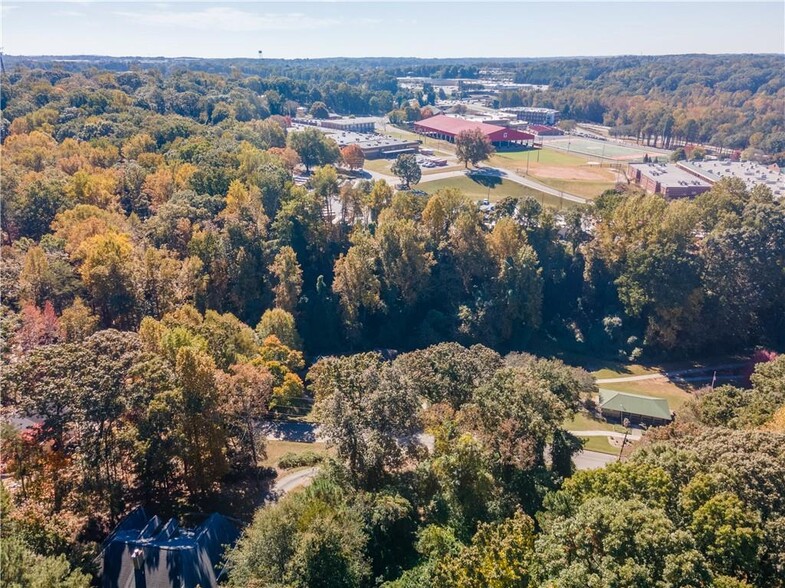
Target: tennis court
(603,149)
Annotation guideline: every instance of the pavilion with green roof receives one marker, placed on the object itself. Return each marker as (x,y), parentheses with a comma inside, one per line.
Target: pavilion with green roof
(638,409)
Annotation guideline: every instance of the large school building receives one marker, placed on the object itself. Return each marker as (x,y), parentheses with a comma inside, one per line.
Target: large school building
(447,128)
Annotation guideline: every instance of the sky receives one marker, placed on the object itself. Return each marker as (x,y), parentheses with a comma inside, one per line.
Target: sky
(391,29)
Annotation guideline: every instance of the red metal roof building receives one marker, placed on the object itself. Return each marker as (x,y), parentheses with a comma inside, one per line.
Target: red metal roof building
(448,127)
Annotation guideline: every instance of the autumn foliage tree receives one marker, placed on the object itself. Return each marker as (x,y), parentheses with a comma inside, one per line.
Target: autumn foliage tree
(353,156)
(473,146)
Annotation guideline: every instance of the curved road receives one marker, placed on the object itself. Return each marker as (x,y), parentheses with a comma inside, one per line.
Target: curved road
(289,482)
(583,460)
(592,460)
(308,433)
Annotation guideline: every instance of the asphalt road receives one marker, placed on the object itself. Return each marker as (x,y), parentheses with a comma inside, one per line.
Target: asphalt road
(592,460)
(294,480)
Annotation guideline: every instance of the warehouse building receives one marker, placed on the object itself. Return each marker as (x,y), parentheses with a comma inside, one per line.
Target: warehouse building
(535,116)
(667,179)
(750,172)
(447,128)
(374,146)
(360,124)
(618,406)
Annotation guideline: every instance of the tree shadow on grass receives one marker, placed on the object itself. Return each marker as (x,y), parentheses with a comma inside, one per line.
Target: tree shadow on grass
(241,494)
(486,180)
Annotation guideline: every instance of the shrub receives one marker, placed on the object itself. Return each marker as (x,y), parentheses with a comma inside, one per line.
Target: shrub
(299,460)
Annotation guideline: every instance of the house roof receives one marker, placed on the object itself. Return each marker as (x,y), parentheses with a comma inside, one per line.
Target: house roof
(169,554)
(635,404)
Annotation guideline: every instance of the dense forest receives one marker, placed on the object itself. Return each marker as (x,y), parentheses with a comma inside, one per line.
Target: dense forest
(727,101)
(731,102)
(166,285)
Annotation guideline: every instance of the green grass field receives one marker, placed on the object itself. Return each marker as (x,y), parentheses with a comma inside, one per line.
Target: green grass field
(587,189)
(582,421)
(600,444)
(381,166)
(544,156)
(478,191)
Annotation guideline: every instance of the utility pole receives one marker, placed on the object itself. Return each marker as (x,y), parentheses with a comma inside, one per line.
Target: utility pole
(626,424)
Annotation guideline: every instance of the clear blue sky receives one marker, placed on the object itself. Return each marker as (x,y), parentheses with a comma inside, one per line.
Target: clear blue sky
(355,29)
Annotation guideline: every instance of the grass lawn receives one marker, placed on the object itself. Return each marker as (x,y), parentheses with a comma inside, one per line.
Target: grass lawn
(600,444)
(584,422)
(600,367)
(587,189)
(277,449)
(381,165)
(622,370)
(428,171)
(478,191)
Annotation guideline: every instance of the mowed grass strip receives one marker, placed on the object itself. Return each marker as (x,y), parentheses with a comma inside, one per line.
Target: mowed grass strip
(587,189)
(583,421)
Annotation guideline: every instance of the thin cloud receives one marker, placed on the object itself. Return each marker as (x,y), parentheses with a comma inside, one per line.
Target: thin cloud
(72,13)
(230,19)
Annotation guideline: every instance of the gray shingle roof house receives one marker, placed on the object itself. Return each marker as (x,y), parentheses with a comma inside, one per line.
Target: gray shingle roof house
(145,552)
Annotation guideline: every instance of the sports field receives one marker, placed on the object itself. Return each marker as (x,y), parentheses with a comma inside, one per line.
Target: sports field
(604,149)
(573,173)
